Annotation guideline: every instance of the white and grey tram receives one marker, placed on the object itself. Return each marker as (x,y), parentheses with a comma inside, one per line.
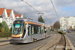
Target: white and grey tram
(25,31)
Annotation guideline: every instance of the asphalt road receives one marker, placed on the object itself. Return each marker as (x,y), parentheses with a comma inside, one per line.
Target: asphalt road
(71,36)
(4,41)
(29,46)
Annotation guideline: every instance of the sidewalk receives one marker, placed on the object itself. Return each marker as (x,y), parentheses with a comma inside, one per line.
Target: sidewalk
(5,38)
(4,41)
(69,45)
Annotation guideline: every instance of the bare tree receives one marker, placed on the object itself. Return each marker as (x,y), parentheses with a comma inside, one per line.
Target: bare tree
(56,25)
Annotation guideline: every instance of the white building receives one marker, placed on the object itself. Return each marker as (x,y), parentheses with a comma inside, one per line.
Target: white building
(8,16)
(67,23)
(2,13)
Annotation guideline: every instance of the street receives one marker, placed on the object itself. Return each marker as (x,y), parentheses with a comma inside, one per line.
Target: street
(71,36)
(29,46)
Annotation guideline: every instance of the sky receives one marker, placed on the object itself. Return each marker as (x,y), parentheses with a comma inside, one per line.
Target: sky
(64,8)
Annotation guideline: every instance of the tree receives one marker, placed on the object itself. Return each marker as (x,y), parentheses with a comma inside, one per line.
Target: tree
(56,25)
(40,19)
(10,29)
(2,30)
(5,26)
(1,26)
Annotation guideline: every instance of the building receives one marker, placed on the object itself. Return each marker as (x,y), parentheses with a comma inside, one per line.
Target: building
(18,16)
(67,23)
(8,16)
(2,14)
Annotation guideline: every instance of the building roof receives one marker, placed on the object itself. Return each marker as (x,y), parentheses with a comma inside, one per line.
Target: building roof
(18,15)
(1,11)
(8,12)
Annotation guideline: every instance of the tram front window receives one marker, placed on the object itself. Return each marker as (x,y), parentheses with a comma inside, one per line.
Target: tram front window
(17,28)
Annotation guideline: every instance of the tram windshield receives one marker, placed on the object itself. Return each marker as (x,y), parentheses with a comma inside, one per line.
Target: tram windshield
(17,28)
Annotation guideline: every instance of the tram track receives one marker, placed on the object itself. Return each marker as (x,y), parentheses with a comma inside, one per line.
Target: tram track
(19,48)
(23,46)
(61,44)
(35,42)
(26,46)
(20,43)
(43,44)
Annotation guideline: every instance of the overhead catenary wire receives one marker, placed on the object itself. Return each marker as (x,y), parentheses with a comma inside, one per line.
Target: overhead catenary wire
(54,9)
(31,6)
(48,18)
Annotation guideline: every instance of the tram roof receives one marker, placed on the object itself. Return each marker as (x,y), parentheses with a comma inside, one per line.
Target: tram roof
(30,21)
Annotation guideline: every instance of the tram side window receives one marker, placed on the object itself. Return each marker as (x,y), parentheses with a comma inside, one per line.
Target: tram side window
(29,30)
(35,29)
(42,30)
(48,30)
(32,30)
(38,30)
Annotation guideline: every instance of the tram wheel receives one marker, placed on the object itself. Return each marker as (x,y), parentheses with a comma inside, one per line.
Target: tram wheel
(34,40)
(11,43)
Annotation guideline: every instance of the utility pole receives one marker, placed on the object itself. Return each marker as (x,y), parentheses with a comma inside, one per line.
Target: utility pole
(40,15)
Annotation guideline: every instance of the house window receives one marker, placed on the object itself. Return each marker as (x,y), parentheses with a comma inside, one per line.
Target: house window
(7,13)
(0,15)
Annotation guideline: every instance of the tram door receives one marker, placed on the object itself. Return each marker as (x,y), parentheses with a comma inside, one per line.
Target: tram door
(29,32)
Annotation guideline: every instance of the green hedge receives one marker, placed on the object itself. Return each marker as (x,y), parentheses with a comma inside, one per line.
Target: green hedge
(61,32)
(5,34)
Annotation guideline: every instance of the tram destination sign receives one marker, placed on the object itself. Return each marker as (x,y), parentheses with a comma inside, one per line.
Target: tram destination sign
(18,22)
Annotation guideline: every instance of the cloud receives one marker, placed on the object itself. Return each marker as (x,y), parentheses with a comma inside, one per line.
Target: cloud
(61,3)
(44,6)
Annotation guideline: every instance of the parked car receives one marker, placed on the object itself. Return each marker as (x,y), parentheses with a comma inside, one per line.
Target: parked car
(68,31)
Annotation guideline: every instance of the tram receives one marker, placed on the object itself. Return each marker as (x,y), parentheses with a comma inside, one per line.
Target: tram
(25,31)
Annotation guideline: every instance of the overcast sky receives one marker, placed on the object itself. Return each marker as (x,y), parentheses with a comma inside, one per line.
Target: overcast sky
(64,8)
